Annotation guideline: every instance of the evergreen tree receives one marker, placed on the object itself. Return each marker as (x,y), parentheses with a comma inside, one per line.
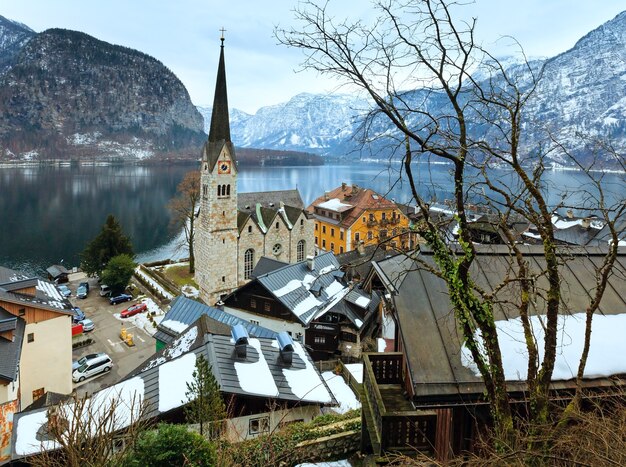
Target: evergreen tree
(110,242)
(206,403)
(118,272)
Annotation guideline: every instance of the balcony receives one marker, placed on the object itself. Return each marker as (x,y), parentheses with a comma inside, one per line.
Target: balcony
(391,422)
(372,222)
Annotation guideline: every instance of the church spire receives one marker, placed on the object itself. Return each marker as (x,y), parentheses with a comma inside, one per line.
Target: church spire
(220,127)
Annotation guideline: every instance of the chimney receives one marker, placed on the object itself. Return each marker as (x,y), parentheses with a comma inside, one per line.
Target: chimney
(285,344)
(310,262)
(570,214)
(343,186)
(240,336)
(326,196)
(355,189)
(586,223)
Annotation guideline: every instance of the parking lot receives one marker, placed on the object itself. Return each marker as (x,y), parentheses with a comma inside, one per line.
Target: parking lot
(107,336)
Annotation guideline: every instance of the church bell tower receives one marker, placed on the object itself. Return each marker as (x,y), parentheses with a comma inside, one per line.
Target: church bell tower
(216,239)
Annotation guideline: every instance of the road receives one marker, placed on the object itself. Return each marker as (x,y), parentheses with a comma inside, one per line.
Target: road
(107,337)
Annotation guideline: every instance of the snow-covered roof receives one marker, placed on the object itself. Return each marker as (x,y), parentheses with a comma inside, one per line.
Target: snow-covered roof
(605,355)
(335,204)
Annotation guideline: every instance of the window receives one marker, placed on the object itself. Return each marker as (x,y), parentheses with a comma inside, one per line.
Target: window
(341,235)
(277,249)
(253,303)
(323,229)
(357,237)
(316,226)
(249,229)
(255,322)
(31,337)
(22,311)
(259,425)
(223,213)
(205,191)
(248,263)
(370,235)
(332,232)
(277,225)
(301,222)
(332,247)
(227,190)
(300,250)
(223,278)
(364,220)
(316,241)
(267,306)
(323,243)
(340,249)
(383,216)
(219,191)
(372,218)
(320,339)
(382,234)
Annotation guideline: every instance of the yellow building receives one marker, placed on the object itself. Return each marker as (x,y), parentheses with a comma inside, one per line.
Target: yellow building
(350,215)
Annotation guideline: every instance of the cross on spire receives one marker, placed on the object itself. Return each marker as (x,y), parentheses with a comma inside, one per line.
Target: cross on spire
(222,30)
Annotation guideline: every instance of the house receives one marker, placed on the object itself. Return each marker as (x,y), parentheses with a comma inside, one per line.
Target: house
(266,383)
(431,377)
(350,215)
(184,312)
(35,345)
(58,273)
(235,230)
(310,301)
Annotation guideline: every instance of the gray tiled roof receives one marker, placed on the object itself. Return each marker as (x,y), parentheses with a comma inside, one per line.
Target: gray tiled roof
(187,311)
(47,296)
(269,199)
(10,351)
(278,279)
(266,265)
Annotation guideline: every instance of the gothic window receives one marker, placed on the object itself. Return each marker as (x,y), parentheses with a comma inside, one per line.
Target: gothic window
(302,222)
(205,191)
(227,190)
(249,229)
(300,250)
(277,249)
(219,191)
(277,225)
(248,263)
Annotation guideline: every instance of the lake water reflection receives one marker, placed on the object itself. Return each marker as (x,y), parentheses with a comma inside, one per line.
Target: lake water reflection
(47,214)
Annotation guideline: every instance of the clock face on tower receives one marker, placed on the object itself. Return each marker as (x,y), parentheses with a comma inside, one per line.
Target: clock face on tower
(223,167)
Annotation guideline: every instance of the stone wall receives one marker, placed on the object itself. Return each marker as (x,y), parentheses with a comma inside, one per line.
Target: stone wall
(338,446)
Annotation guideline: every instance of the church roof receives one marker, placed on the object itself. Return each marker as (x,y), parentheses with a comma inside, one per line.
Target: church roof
(269,199)
(219,132)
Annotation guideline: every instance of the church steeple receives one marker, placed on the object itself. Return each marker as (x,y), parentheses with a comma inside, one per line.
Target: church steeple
(220,127)
(219,133)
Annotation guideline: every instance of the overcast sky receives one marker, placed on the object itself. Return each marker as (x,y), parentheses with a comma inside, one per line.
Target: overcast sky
(184,35)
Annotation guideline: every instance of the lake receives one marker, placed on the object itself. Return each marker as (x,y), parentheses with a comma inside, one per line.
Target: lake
(49,213)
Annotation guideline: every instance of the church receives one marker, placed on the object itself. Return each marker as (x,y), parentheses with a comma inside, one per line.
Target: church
(235,231)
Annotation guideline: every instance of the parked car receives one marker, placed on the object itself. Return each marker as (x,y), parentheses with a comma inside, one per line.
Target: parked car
(133,310)
(65,290)
(120,298)
(87,325)
(105,290)
(83,290)
(100,364)
(78,315)
(82,360)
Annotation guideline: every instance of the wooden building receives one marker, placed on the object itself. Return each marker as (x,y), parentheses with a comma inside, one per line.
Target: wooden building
(428,395)
(310,301)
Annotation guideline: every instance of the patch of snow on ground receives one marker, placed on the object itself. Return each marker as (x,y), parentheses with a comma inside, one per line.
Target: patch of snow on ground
(356,370)
(342,463)
(173,378)
(607,339)
(153,283)
(382,345)
(256,377)
(190,291)
(306,384)
(342,392)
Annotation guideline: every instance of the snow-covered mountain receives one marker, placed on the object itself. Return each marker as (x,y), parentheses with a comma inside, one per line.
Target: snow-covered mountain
(581,94)
(13,36)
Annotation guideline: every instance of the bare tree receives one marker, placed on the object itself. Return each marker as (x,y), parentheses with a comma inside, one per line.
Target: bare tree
(90,431)
(183,209)
(413,54)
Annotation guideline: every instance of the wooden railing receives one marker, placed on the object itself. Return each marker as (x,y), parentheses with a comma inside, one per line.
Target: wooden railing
(400,429)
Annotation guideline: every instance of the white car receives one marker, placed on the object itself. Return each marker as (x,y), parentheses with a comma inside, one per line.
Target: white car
(93,366)
(87,325)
